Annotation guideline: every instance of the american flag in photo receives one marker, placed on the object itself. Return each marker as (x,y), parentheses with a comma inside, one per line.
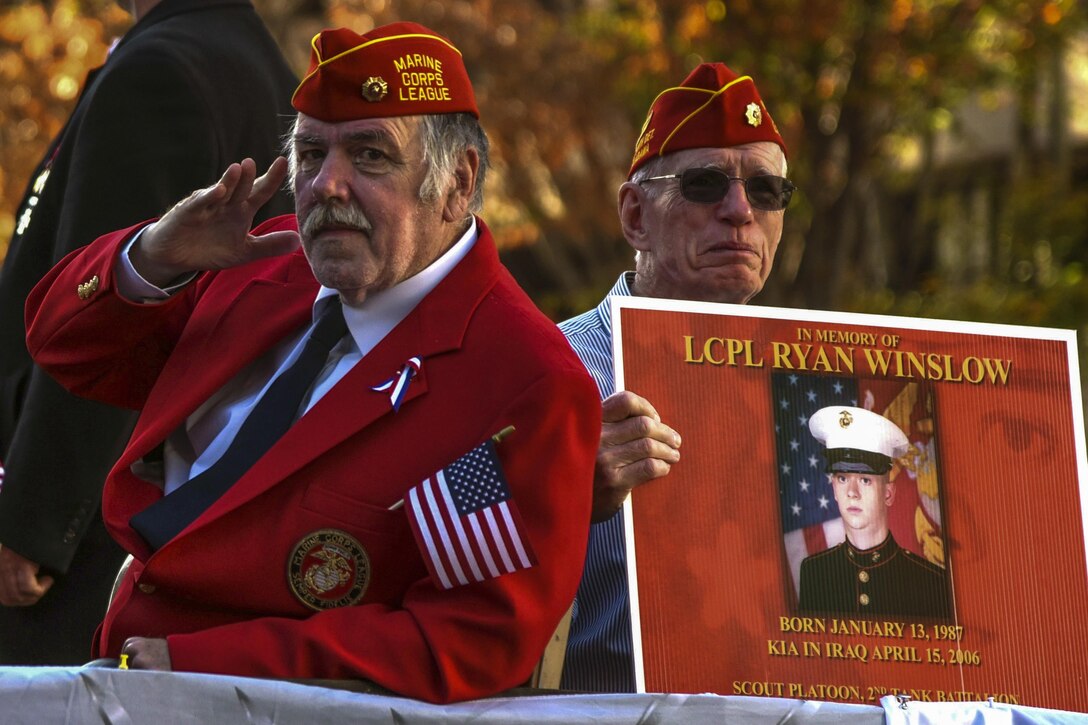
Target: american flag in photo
(466,524)
(811,521)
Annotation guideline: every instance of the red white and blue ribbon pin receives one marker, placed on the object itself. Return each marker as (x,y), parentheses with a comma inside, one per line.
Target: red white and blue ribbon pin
(398,384)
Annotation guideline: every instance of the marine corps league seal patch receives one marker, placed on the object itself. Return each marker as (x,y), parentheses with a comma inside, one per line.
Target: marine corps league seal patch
(328,569)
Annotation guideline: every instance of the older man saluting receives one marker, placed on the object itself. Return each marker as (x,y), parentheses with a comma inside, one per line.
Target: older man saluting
(703,208)
(311,490)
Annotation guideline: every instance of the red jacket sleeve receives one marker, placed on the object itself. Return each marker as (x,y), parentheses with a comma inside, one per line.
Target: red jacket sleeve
(98,344)
(77,322)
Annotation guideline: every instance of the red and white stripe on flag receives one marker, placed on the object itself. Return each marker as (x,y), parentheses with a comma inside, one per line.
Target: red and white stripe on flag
(465,523)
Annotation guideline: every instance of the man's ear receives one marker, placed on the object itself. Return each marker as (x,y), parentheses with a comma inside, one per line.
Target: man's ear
(889,494)
(633,203)
(459,197)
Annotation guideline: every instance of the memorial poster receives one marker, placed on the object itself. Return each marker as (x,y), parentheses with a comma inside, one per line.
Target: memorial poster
(980,589)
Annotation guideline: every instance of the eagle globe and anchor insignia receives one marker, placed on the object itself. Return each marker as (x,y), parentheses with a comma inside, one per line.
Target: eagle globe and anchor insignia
(754,114)
(374,89)
(328,568)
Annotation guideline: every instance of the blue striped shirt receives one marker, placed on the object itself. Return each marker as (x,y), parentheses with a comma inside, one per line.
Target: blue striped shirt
(599,650)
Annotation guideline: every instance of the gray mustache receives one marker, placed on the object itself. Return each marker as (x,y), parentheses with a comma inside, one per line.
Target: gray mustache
(340,215)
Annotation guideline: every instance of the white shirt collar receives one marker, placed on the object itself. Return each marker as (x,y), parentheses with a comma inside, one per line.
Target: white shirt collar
(384,310)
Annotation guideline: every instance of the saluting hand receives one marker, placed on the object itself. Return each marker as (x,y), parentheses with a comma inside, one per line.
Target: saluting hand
(636,447)
(210,229)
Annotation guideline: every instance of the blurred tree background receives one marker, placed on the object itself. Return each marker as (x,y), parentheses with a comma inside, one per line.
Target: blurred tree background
(941,147)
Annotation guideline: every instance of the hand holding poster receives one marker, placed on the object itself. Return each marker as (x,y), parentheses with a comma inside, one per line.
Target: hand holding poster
(864,505)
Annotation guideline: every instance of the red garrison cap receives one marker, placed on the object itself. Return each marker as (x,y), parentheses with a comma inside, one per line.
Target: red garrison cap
(713,107)
(400,69)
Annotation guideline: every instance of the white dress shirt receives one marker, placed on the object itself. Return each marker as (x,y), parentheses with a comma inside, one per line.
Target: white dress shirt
(208,431)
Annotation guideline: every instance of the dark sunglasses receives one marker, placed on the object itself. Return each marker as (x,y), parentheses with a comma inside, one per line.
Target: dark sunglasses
(709,186)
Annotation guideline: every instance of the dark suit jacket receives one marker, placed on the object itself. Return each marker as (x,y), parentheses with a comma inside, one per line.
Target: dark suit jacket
(192,87)
(221,591)
(887,581)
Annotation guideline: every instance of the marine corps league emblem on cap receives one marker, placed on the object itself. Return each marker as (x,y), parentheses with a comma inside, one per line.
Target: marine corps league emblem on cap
(375,88)
(753,114)
(328,569)
(845,419)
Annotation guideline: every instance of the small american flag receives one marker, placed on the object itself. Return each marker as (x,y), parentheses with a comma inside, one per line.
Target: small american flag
(465,523)
(810,517)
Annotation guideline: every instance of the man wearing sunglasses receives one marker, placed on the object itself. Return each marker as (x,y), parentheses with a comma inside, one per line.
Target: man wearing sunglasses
(703,208)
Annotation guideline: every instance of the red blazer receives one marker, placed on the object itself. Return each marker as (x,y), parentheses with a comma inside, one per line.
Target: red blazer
(219,591)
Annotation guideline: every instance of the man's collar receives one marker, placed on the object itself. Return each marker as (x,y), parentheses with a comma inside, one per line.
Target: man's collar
(622,288)
(875,556)
(389,306)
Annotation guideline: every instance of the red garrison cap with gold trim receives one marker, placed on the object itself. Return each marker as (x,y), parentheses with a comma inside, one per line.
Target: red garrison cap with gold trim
(400,69)
(713,107)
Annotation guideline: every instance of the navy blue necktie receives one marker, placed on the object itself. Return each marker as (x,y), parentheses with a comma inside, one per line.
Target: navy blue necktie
(267,422)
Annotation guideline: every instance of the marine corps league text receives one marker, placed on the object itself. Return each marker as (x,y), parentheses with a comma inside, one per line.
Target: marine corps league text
(421,78)
(846,352)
